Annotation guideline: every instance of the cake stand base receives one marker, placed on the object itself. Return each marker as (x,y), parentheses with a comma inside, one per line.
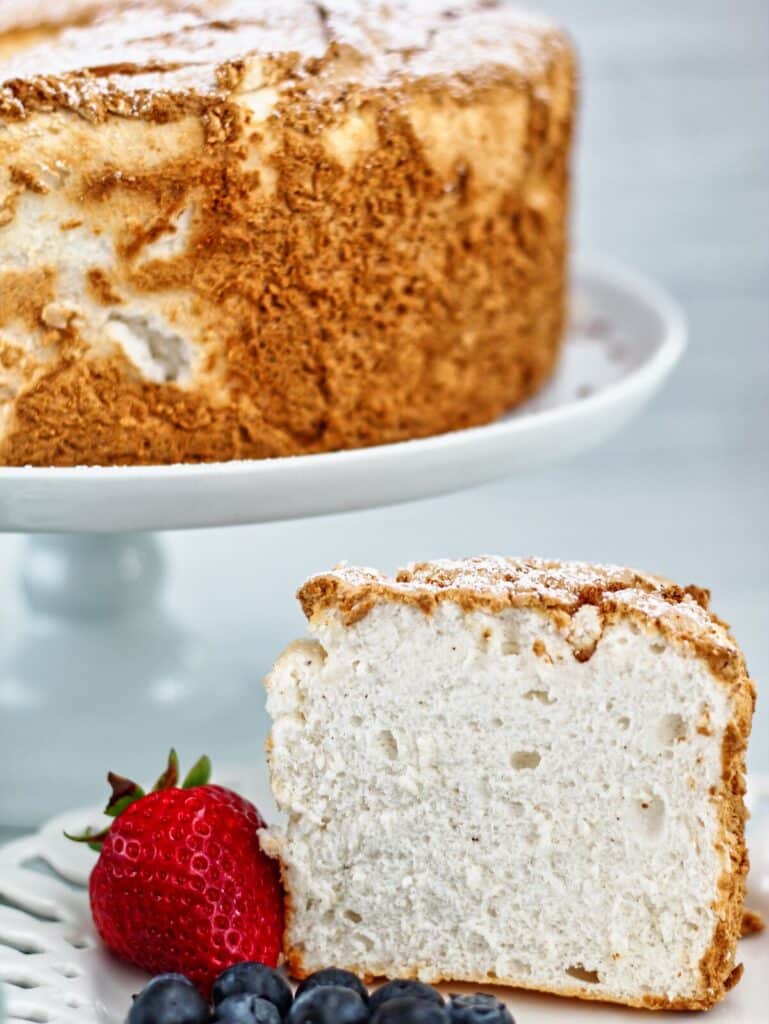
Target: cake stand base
(98,675)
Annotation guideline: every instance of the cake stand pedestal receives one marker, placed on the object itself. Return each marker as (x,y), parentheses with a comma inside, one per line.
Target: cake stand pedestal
(95,670)
(98,674)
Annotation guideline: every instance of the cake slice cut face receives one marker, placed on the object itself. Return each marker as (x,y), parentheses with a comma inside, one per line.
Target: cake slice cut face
(232,229)
(514,772)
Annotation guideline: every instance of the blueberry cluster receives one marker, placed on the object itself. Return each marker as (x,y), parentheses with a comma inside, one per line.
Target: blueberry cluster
(257,994)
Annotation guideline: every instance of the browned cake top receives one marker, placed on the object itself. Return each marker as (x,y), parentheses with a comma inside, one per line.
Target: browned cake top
(147,57)
(495,584)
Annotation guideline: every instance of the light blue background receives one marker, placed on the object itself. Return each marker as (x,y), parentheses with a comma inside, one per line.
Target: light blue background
(672,177)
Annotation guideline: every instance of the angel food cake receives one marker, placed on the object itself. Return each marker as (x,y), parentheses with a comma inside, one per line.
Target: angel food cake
(514,772)
(239,230)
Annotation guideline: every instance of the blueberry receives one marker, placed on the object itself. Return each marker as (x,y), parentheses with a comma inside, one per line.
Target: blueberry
(333,976)
(329,1004)
(410,1010)
(401,989)
(478,1009)
(169,999)
(245,1008)
(254,980)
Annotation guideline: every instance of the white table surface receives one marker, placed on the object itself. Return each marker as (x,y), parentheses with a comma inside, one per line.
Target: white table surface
(672,178)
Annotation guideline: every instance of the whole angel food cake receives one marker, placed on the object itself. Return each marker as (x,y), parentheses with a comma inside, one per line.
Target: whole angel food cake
(514,772)
(238,230)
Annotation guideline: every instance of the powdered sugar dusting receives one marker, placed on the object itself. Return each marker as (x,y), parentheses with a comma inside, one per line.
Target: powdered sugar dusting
(495,583)
(21,14)
(178,47)
(559,582)
(434,37)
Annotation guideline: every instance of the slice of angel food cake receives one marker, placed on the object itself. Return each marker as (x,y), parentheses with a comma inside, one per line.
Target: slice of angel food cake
(514,772)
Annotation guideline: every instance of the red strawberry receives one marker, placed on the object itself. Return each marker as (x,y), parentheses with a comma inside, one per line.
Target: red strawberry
(181,883)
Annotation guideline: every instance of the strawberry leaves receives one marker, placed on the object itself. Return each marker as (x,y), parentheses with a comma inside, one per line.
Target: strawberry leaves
(126,792)
(170,777)
(199,774)
(94,840)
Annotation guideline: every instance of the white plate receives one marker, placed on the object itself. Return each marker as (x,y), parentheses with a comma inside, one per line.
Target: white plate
(56,969)
(626,337)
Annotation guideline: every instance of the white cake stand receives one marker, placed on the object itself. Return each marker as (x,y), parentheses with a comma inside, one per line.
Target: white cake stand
(96,665)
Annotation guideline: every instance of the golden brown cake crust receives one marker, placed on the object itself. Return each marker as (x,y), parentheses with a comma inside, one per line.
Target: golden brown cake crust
(330,305)
(752,923)
(491,583)
(561,589)
(296,968)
